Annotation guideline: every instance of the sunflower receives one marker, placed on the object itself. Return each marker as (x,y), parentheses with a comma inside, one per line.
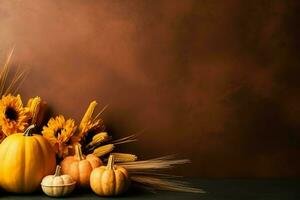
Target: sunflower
(59,132)
(2,136)
(13,116)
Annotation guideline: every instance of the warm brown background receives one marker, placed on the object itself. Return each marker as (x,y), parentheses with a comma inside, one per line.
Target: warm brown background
(215,81)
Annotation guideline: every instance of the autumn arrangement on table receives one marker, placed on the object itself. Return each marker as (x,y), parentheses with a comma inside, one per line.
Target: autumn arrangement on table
(60,155)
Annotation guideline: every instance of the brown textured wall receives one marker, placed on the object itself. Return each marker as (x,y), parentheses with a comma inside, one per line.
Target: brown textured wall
(215,81)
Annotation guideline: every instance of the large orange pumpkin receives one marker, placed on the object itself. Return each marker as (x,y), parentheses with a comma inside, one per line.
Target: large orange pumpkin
(25,158)
(79,166)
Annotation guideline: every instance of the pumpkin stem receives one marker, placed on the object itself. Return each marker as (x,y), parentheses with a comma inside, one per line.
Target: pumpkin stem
(78,152)
(28,131)
(57,171)
(110,162)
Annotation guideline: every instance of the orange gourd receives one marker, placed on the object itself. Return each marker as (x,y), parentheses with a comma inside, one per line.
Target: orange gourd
(25,159)
(109,180)
(79,166)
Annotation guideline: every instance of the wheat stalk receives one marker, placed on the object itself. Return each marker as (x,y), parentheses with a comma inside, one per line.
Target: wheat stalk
(147,174)
(101,111)
(15,83)
(164,184)
(165,162)
(4,72)
(124,140)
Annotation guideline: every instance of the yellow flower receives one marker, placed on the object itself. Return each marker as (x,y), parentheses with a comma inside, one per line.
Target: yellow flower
(13,116)
(2,136)
(58,132)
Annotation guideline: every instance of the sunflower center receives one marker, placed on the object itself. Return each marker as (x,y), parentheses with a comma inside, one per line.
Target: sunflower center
(11,114)
(58,132)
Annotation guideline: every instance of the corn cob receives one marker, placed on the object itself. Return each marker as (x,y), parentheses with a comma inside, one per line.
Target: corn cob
(102,150)
(98,139)
(87,116)
(124,157)
(34,108)
(42,112)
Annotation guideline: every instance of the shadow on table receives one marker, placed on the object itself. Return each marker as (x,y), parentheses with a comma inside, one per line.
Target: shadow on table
(77,194)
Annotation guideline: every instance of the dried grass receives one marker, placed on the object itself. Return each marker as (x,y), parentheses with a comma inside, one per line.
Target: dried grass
(16,81)
(147,174)
(164,162)
(153,183)
(124,140)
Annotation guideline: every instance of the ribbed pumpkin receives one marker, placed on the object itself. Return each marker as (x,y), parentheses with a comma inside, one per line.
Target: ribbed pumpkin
(109,180)
(58,185)
(79,166)
(25,158)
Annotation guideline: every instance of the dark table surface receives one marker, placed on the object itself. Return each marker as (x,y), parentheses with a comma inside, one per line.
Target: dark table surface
(236,189)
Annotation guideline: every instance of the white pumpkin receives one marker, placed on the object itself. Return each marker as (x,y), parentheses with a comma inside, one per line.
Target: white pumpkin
(58,185)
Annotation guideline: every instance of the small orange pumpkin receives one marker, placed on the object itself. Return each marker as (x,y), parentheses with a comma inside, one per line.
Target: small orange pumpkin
(110,180)
(79,166)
